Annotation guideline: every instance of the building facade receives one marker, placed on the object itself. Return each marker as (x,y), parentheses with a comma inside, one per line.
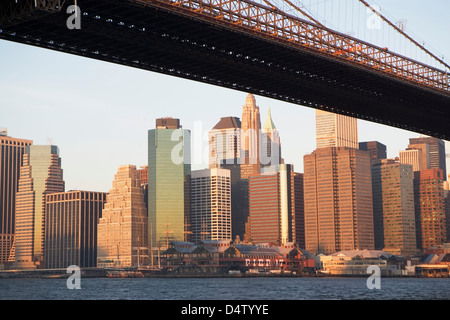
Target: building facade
(225,153)
(270,146)
(338,200)
(225,143)
(71,220)
(335,130)
(413,157)
(376,149)
(435,152)
(169,170)
(40,174)
(430,208)
(123,227)
(250,138)
(211,205)
(393,207)
(276,204)
(11,155)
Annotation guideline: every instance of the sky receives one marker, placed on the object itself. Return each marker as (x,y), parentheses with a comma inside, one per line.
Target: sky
(99,113)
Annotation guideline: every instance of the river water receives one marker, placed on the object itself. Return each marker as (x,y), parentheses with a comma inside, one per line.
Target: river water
(225,289)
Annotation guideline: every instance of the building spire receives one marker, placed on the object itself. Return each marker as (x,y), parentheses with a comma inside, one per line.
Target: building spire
(250,100)
(269,125)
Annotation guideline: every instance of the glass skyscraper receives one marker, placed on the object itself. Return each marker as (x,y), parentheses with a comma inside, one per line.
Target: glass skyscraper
(169,171)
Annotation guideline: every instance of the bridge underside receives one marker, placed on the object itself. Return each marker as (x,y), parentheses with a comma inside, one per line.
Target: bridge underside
(166,42)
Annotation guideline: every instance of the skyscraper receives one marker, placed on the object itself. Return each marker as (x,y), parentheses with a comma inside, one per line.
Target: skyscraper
(169,170)
(11,154)
(299,209)
(447,208)
(413,157)
(123,227)
(436,152)
(225,144)
(225,153)
(338,200)
(250,138)
(335,130)
(376,149)
(211,204)
(274,206)
(393,207)
(71,228)
(430,208)
(423,150)
(40,174)
(270,146)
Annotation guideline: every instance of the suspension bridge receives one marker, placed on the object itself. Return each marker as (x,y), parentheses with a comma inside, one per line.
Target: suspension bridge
(281,49)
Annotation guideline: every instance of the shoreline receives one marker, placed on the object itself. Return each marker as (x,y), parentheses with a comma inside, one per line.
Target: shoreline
(121,273)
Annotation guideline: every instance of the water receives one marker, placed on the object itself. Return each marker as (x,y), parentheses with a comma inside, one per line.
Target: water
(226,289)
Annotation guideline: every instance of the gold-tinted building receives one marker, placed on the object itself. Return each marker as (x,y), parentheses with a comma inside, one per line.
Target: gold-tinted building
(250,138)
(393,207)
(338,200)
(413,157)
(335,130)
(169,172)
(435,151)
(11,154)
(270,146)
(430,208)
(276,206)
(71,220)
(40,174)
(123,227)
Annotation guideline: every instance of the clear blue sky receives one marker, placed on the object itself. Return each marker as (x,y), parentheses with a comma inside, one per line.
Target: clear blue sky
(99,113)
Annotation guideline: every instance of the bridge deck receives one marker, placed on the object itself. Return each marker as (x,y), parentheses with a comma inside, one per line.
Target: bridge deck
(157,38)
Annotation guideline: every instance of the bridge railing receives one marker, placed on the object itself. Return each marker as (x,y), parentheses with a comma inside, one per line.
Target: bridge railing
(261,20)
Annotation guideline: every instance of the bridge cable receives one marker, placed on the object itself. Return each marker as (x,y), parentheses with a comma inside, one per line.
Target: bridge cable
(403,33)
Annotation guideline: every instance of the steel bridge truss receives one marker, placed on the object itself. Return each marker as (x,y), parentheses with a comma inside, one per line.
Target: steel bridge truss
(269,22)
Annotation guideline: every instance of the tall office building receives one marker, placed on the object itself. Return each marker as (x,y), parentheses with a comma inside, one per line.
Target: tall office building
(225,153)
(376,149)
(413,157)
(274,206)
(123,227)
(299,209)
(11,154)
(424,152)
(40,174)
(335,130)
(71,220)
(270,146)
(142,175)
(338,200)
(211,204)
(393,207)
(447,208)
(169,171)
(436,151)
(225,144)
(250,138)
(430,208)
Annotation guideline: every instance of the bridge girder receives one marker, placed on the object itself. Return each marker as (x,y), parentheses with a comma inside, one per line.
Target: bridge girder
(160,40)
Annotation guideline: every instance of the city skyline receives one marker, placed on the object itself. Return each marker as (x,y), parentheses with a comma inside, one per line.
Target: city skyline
(292,153)
(131,184)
